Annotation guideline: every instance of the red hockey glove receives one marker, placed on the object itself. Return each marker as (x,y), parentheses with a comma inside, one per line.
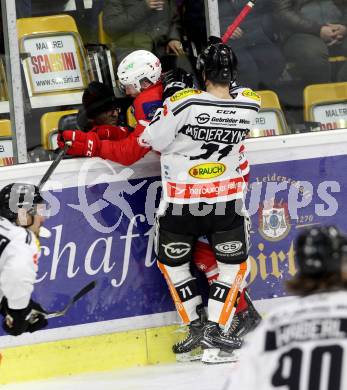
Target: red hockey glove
(140,127)
(83,144)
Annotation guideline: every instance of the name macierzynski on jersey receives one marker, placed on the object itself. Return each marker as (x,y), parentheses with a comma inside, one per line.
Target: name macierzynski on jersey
(308,330)
(217,134)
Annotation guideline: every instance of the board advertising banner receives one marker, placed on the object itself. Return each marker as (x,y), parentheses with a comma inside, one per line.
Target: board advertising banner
(104,232)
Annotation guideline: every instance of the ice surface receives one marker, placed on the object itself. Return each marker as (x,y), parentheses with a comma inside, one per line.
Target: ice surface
(180,376)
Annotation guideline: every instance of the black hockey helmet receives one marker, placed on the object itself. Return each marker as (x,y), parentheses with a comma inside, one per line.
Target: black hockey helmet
(19,195)
(320,250)
(218,61)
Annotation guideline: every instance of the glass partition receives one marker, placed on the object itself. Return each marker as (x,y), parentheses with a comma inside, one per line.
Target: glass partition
(7,152)
(298,65)
(298,51)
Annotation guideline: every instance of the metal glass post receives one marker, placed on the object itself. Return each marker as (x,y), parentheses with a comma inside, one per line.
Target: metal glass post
(212,18)
(14,78)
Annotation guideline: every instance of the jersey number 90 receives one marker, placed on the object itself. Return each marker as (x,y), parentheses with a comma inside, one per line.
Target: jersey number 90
(324,369)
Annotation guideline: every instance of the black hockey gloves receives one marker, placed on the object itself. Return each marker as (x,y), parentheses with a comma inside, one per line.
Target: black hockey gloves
(16,322)
(176,80)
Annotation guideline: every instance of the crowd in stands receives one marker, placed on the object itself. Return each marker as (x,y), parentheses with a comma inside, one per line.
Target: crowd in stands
(282,45)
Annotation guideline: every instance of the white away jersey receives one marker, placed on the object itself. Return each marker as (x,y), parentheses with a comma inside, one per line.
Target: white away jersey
(19,253)
(303,346)
(200,138)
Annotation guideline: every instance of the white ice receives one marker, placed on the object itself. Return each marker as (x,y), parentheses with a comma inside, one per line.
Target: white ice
(186,376)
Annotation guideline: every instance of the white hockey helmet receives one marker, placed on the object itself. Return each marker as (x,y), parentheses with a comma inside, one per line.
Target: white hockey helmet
(138,66)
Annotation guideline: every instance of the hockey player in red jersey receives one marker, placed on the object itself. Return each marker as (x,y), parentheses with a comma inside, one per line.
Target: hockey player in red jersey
(140,76)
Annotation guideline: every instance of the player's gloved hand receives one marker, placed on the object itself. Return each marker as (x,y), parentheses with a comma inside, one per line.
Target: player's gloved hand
(16,322)
(36,319)
(176,80)
(109,132)
(140,127)
(83,144)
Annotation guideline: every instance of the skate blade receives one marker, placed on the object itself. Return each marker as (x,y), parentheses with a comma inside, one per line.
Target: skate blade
(191,356)
(216,356)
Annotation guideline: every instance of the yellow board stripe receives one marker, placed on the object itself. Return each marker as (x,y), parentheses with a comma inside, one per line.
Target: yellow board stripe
(88,354)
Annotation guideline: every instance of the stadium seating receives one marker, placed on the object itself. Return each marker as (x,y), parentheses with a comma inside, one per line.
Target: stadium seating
(326,104)
(55,64)
(103,37)
(270,119)
(4,104)
(51,122)
(5,128)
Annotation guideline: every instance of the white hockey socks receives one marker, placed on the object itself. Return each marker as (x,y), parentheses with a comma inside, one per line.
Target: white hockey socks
(183,289)
(224,291)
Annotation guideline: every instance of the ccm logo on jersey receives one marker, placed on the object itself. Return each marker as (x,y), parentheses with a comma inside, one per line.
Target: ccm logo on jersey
(183,94)
(176,250)
(207,170)
(250,94)
(229,247)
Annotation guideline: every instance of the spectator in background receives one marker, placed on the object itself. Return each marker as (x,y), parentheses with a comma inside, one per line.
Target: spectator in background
(311,31)
(192,14)
(28,8)
(23,8)
(102,117)
(102,112)
(99,119)
(194,24)
(261,61)
(2,42)
(151,25)
(85,13)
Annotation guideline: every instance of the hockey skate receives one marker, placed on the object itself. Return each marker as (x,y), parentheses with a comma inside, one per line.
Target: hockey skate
(189,349)
(246,320)
(219,346)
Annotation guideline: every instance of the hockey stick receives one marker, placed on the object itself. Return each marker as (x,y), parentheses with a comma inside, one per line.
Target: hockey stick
(47,315)
(238,20)
(54,164)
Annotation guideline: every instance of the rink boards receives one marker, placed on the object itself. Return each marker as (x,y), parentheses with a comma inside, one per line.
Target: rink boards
(101,229)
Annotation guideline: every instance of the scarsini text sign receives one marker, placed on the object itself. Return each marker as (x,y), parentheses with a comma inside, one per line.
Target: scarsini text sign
(53,63)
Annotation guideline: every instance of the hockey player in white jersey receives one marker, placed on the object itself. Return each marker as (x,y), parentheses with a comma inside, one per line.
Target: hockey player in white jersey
(21,216)
(303,345)
(200,137)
